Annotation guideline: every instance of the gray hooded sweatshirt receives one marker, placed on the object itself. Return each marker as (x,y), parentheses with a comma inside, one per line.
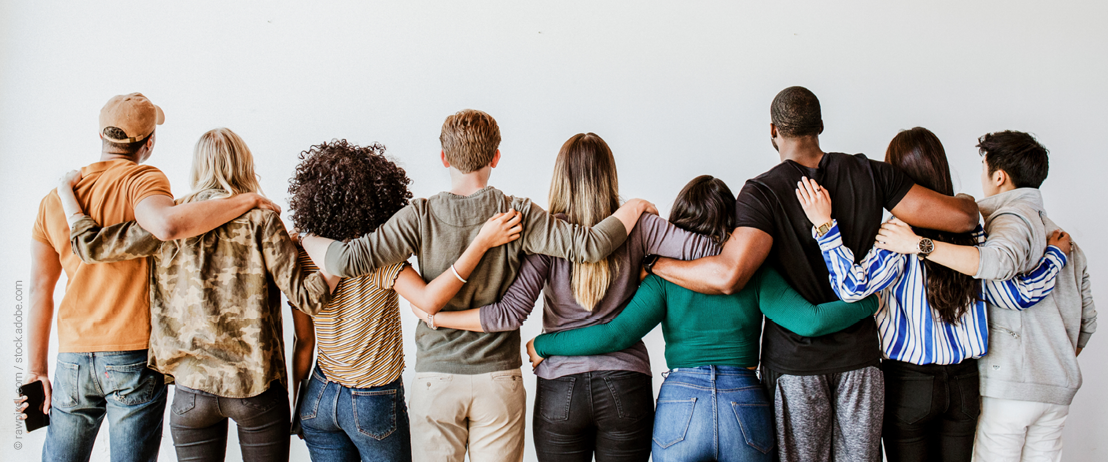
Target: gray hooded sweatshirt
(1032,352)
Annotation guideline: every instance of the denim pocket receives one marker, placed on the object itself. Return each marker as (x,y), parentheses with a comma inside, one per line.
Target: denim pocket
(65,389)
(632,393)
(757,425)
(183,401)
(266,401)
(671,421)
(133,384)
(374,412)
(312,396)
(908,396)
(553,398)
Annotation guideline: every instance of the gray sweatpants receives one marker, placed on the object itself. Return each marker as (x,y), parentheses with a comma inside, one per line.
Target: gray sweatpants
(830,417)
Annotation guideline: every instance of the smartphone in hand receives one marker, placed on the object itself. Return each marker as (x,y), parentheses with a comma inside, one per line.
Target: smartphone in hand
(36,398)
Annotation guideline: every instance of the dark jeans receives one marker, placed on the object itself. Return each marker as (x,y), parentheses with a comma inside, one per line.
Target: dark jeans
(930,411)
(355,424)
(609,413)
(199,425)
(113,384)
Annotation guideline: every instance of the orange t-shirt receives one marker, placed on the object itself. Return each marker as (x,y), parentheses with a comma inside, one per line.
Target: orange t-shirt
(106,306)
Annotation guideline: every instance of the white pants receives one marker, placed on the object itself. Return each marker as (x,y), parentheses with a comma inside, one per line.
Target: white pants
(1027,431)
(484,413)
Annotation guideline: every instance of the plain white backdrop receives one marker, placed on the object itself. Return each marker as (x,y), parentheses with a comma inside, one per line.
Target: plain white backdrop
(677,89)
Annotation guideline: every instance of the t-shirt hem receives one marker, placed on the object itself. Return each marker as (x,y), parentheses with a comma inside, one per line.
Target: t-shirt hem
(446,367)
(831,370)
(102,348)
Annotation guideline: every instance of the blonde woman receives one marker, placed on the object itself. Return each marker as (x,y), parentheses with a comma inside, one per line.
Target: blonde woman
(215,308)
(603,404)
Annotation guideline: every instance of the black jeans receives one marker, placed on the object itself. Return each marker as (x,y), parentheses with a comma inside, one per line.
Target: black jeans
(930,411)
(199,425)
(610,413)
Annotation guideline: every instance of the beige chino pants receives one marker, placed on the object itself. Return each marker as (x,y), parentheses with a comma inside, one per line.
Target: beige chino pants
(485,413)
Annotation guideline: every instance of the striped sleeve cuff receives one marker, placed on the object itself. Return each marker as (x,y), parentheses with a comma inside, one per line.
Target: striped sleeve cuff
(1056,256)
(832,239)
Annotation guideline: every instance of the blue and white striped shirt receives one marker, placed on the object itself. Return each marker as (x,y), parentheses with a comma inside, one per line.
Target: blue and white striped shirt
(908,329)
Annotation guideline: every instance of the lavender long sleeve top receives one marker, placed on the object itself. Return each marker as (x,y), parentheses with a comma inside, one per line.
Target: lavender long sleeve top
(552,276)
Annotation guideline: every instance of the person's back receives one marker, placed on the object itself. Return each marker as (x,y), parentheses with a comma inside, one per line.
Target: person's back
(468,385)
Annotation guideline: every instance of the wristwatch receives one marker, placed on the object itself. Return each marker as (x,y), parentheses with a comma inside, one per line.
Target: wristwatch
(648,263)
(926,246)
(824,228)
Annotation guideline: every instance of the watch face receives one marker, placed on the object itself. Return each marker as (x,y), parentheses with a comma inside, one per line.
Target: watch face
(926,246)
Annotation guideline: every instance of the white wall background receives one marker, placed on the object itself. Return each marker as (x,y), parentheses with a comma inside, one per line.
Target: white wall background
(676,88)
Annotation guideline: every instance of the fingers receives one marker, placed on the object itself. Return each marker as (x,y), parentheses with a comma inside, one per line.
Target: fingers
(651,209)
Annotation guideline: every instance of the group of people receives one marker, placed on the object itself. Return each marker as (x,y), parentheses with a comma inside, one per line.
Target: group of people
(800,324)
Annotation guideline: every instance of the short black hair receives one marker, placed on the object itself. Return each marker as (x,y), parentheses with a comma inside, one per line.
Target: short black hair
(795,112)
(705,206)
(124,148)
(1018,154)
(342,191)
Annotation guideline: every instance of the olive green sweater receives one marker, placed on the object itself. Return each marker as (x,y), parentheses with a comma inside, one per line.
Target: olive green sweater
(437,230)
(702,330)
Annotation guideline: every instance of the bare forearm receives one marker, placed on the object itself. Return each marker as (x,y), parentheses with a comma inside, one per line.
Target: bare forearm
(40,316)
(709,275)
(167,221)
(924,208)
(961,258)
(462,320)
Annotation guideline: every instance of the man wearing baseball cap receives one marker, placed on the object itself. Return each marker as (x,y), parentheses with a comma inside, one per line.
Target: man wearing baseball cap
(104,316)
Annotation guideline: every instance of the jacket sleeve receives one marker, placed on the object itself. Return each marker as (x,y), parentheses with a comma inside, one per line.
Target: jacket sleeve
(308,292)
(853,282)
(646,310)
(123,241)
(517,303)
(1027,290)
(393,242)
(547,235)
(1088,309)
(1007,249)
(785,306)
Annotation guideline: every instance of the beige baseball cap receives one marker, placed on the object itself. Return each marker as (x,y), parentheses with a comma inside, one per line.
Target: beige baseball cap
(134,114)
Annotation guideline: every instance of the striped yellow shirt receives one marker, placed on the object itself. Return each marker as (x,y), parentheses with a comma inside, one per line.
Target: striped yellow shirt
(359,342)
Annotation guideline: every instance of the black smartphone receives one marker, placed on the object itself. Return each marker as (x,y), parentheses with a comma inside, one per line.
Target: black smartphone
(36,398)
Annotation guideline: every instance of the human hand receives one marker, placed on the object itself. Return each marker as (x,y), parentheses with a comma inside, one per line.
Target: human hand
(1061,240)
(534,356)
(69,179)
(642,205)
(501,229)
(21,402)
(897,236)
(815,200)
(261,202)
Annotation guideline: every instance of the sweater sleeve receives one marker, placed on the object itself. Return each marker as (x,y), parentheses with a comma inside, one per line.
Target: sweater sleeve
(547,235)
(118,242)
(853,282)
(308,292)
(786,307)
(512,309)
(1007,249)
(1088,309)
(660,237)
(646,310)
(391,243)
(1027,290)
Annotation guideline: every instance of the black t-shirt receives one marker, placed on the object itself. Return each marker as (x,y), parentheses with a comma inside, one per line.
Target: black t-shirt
(860,188)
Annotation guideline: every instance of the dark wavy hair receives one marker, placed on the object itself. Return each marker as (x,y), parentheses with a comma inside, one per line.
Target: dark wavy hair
(1018,154)
(920,155)
(705,206)
(342,191)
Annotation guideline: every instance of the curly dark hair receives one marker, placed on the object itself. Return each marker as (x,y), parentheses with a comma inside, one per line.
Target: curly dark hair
(342,191)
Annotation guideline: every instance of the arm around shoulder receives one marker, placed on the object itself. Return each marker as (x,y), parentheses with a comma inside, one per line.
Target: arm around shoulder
(925,208)
(726,273)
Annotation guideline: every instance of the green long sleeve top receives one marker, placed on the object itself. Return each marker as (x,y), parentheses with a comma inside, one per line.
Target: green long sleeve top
(701,329)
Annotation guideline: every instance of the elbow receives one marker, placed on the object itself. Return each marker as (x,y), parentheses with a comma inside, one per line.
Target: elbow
(166,230)
(729,282)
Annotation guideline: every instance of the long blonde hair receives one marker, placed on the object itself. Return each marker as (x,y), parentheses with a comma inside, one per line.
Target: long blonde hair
(586,189)
(221,161)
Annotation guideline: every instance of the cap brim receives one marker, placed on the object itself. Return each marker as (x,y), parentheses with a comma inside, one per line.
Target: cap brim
(161,115)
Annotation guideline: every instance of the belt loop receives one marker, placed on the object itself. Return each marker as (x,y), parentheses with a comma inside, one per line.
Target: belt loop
(713,368)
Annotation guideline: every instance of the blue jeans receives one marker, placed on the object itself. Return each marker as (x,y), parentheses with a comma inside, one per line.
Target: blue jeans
(351,424)
(88,386)
(711,413)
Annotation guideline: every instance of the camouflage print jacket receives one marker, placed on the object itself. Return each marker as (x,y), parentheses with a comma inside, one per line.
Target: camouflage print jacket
(214,306)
